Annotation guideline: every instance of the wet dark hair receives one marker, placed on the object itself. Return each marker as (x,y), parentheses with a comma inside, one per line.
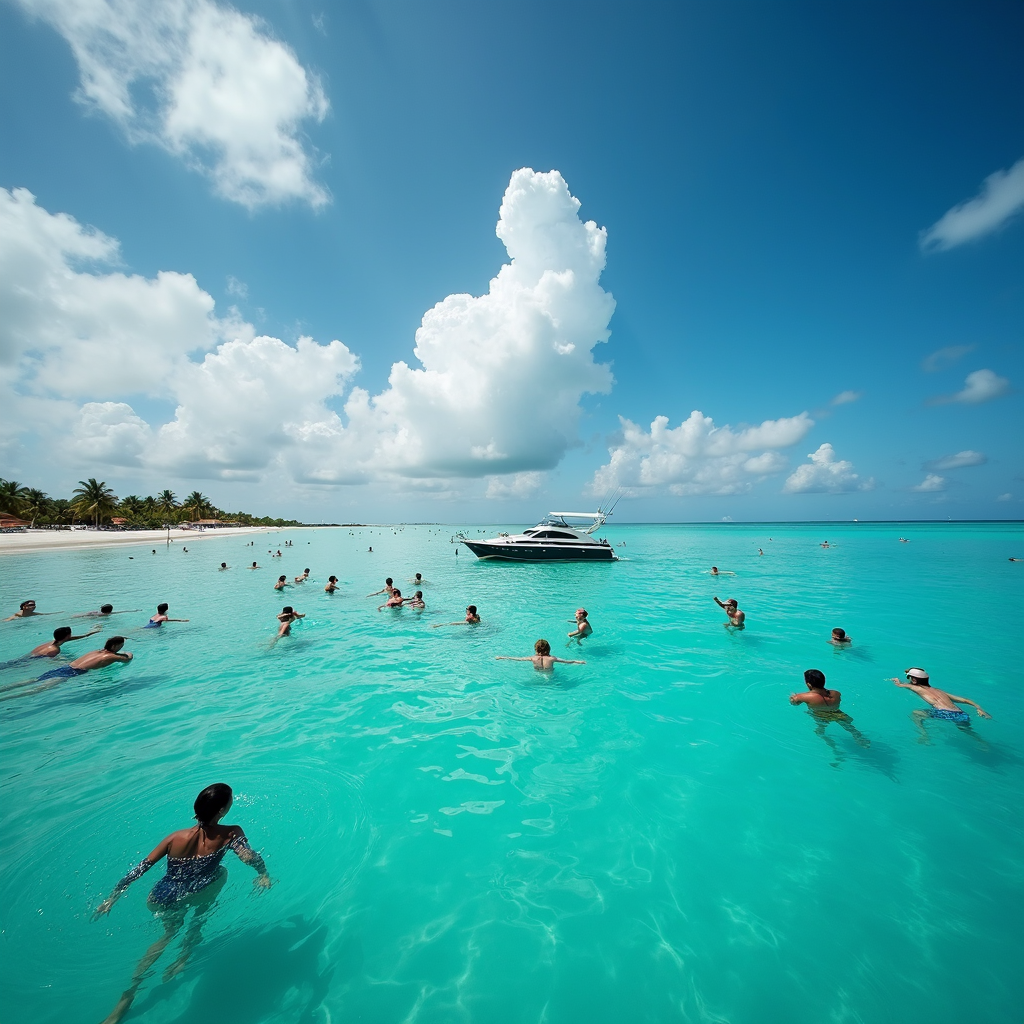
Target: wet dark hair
(419,575)
(25,604)
(62,633)
(332,579)
(211,802)
(223,565)
(839,633)
(114,641)
(287,610)
(471,608)
(279,578)
(106,608)
(815,679)
(305,570)
(395,592)
(542,647)
(419,593)
(161,609)
(389,581)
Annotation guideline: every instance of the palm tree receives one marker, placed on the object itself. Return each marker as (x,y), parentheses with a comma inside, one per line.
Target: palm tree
(93,498)
(196,504)
(35,504)
(61,511)
(12,496)
(166,502)
(132,507)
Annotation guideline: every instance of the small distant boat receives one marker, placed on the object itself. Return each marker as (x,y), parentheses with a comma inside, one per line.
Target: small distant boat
(555,539)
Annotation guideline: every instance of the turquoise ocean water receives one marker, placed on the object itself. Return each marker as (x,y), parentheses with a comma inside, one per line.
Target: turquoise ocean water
(654,836)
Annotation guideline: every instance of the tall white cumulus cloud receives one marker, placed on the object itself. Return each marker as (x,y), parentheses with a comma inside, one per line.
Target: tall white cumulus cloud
(824,473)
(227,97)
(494,391)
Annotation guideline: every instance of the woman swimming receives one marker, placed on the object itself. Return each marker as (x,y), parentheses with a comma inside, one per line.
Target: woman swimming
(194,877)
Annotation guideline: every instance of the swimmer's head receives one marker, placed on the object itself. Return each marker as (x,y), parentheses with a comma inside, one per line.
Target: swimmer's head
(281,579)
(161,609)
(419,576)
(714,568)
(332,579)
(396,592)
(419,593)
(254,565)
(732,602)
(389,581)
(471,608)
(114,644)
(542,647)
(838,633)
(306,571)
(27,604)
(287,610)
(815,679)
(62,633)
(212,803)
(581,613)
(918,676)
(106,608)
(223,565)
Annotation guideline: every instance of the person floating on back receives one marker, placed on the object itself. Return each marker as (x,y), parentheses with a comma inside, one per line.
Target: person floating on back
(583,627)
(542,660)
(736,617)
(472,619)
(160,618)
(943,705)
(194,877)
(61,635)
(839,637)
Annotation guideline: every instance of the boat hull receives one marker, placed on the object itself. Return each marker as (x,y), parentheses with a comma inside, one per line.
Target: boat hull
(540,552)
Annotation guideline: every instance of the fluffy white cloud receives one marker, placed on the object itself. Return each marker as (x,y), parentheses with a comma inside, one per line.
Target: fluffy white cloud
(846,397)
(226,97)
(697,457)
(980,386)
(825,474)
(496,392)
(958,461)
(1005,497)
(943,357)
(932,482)
(1000,198)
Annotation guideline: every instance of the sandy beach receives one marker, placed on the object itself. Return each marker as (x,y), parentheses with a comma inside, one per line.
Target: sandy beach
(44,540)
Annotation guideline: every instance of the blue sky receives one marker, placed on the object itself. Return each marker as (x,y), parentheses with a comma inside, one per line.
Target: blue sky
(766,176)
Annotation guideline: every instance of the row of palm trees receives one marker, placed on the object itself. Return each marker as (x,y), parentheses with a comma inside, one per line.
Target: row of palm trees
(92,501)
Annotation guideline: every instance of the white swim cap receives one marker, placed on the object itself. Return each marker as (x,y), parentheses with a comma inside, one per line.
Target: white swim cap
(917,673)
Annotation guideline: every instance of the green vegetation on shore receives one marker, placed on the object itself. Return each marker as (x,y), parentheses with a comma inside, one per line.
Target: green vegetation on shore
(92,502)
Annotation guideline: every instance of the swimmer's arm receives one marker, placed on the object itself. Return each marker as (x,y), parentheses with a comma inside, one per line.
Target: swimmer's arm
(719,603)
(798,698)
(505,657)
(563,661)
(136,872)
(982,713)
(92,632)
(247,855)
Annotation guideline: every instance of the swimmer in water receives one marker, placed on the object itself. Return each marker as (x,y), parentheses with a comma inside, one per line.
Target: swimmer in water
(107,655)
(583,627)
(303,577)
(416,601)
(286,618)
(839,637)
(194,878)
(543,661)
(223,566)
(27,609)
(737,619)
(160,618)
(104,610)
(394,601)
(61,635)
(824,707)
(388,588)
(332,585)
(471,619)
(943,705)
(715,571)
(824,544)
(418,580)
(255,566)
(760,551)
(282,582)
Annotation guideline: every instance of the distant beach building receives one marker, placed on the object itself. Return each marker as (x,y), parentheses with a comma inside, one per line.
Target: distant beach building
(9,522)
(202,524)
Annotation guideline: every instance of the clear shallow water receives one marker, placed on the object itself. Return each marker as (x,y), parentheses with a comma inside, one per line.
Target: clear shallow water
(654,836)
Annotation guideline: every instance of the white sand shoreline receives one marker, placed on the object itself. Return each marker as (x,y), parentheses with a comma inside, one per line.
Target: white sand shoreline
(28,541)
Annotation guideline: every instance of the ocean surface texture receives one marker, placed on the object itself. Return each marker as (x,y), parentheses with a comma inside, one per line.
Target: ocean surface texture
(654,836)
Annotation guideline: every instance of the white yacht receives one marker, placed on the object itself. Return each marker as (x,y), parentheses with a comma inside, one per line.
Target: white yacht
(557,538)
